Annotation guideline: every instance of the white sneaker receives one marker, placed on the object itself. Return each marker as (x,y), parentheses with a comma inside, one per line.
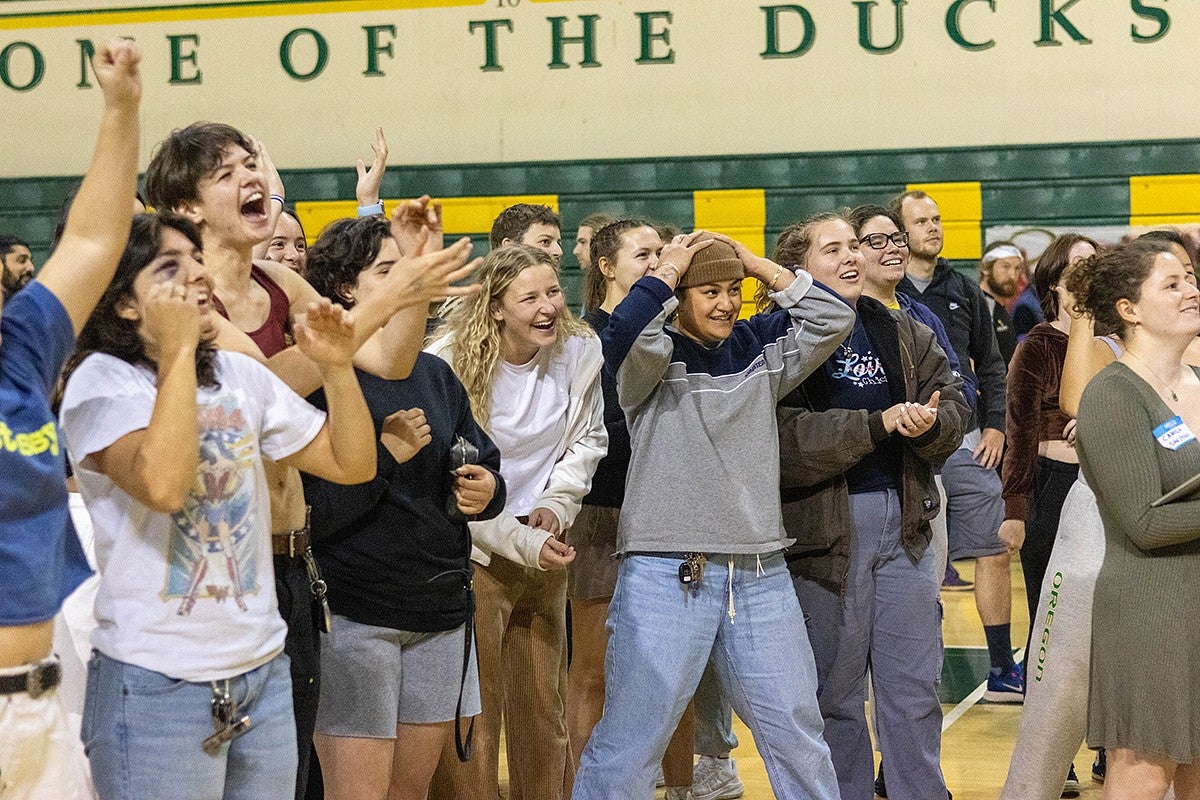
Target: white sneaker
(679,793)
(716,779)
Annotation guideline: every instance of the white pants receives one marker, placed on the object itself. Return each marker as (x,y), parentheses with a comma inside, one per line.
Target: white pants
(40,758)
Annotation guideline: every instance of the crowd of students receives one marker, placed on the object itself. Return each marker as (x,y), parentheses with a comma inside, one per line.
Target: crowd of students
(358,506)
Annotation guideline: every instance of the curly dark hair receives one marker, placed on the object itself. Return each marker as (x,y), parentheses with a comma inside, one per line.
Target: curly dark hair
(343,250)
(107,332)
(1173,236)
(606,243)
(1099,281)
(1051,265)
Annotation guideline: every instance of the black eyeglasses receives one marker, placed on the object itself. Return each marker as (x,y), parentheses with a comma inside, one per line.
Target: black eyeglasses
(878,241)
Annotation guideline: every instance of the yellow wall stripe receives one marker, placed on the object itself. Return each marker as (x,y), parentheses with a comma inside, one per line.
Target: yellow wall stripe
(213,11)
(739,214)
(1164,199)
(460,215)
(961,205)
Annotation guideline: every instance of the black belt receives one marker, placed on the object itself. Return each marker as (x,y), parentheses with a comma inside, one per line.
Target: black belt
(38,679)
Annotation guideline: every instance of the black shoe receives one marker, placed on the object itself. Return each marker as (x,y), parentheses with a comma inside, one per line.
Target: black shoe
(881,787)
(1072,787)
(1099,767)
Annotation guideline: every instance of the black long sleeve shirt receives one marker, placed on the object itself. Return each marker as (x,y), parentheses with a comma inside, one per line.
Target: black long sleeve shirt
(390,550)
(961,306)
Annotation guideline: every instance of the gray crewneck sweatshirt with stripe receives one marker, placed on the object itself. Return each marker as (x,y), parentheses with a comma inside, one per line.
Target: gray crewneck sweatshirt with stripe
(704,474)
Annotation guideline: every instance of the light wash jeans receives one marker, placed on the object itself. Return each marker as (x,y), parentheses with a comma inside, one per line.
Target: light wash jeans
(659,643)
(143,732)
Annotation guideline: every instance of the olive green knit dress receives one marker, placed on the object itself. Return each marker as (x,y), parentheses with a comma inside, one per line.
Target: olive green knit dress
(1145,674)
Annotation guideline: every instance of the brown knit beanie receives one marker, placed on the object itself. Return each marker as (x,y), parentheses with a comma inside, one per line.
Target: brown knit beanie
(717,262)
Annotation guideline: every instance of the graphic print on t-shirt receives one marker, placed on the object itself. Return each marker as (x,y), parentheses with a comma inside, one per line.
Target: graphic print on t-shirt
(213,553)
(860,369)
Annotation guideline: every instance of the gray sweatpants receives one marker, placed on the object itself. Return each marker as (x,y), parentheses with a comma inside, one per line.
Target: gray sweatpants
(1054,718)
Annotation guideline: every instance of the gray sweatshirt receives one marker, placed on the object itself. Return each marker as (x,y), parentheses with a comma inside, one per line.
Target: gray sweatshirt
(704,474)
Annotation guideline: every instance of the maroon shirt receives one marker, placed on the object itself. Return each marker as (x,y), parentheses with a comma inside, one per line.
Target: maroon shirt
(1032,414)
(274,334)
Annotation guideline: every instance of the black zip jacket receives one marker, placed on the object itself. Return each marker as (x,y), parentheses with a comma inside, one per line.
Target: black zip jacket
(962,307)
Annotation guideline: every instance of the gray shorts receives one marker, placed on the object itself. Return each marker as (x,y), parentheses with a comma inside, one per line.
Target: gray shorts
(974,504)
(374,678)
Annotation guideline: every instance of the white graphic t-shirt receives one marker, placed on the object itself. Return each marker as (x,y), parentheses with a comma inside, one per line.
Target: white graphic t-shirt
(189,594)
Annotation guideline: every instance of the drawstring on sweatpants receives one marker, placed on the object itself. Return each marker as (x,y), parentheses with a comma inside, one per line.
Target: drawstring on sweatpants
(759,571)
(732,612)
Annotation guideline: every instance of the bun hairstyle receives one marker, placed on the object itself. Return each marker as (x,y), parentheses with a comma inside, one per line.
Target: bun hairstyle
(1099,281)
(793,244)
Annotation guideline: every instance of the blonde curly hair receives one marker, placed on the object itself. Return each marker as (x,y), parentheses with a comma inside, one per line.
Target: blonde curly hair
(476,335)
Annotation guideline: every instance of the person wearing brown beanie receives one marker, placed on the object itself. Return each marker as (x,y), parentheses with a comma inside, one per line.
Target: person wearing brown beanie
(702,570)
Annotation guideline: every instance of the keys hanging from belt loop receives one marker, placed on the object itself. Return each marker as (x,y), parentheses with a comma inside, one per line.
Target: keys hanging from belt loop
(227,725)
(691,571)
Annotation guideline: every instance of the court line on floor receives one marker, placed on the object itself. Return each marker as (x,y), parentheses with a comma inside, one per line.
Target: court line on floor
(973,698)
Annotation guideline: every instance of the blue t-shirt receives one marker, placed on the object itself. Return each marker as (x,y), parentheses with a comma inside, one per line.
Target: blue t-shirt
(41,560)
(856,379)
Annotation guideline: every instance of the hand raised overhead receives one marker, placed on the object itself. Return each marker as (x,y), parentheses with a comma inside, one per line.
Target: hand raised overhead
(116,66)
(370,180)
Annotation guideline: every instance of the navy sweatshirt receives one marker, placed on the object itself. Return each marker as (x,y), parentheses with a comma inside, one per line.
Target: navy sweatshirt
(391,553)
(608,484)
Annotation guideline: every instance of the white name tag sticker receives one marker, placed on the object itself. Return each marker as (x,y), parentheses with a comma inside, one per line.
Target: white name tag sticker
(1174,433)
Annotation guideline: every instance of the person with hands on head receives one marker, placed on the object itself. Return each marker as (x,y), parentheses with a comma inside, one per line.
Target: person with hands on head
(702,569)
(859,441)
(532,371)
(395,553)
(41,561)
(167,438)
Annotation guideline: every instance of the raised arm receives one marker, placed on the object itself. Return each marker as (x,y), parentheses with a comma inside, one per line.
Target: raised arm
(637,349)
(366,190)
(1086,356)
(276,194)
(81,267)
(344,449)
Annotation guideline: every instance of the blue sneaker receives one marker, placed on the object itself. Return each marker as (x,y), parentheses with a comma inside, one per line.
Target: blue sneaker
(953,582)
(1007,687)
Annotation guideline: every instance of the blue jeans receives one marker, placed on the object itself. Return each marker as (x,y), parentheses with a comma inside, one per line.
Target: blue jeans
(142,732)
(659,643)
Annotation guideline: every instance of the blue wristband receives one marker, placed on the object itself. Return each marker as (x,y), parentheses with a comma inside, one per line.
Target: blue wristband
(371,211)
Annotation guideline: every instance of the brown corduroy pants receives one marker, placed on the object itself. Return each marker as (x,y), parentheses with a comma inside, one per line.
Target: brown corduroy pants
(521,631)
